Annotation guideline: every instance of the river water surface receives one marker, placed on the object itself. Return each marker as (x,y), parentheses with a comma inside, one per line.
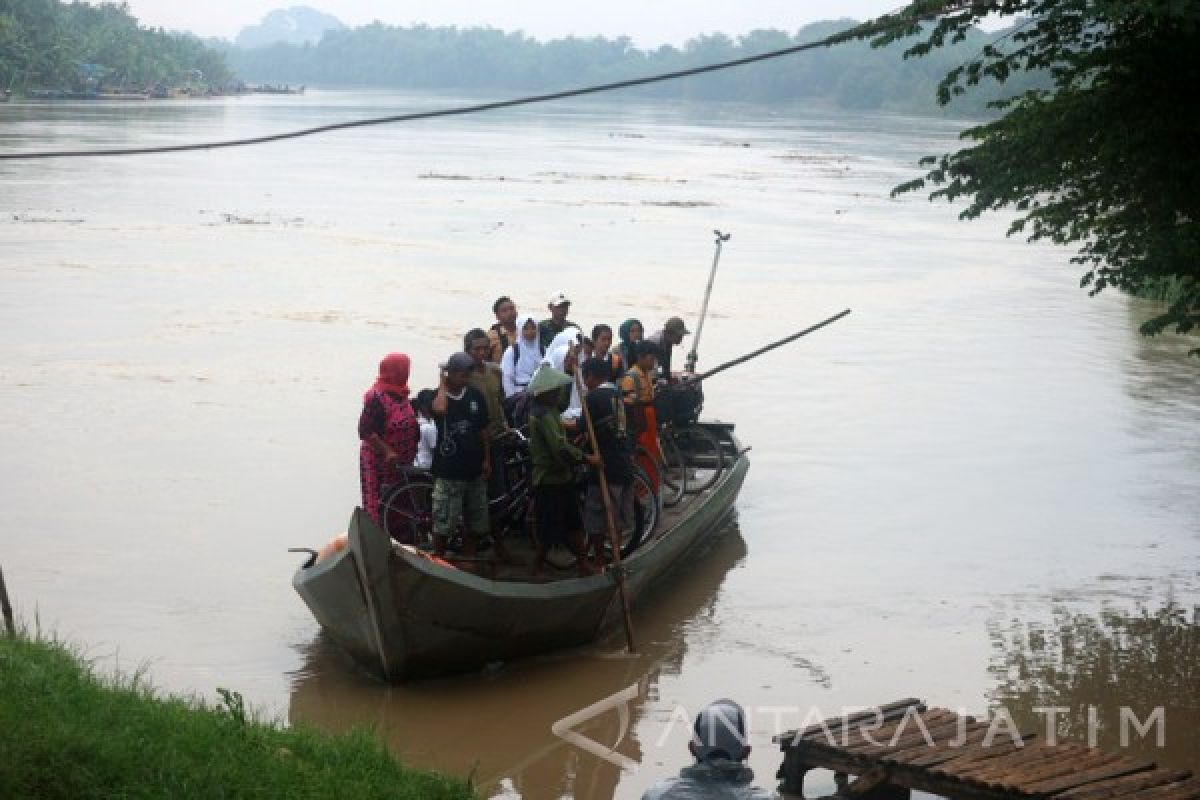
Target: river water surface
(977,470)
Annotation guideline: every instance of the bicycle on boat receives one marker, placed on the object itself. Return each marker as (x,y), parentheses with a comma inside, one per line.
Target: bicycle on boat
(406,507)
(692,458)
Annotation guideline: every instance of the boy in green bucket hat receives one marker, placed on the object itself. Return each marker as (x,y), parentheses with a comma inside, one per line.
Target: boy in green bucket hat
(555,498)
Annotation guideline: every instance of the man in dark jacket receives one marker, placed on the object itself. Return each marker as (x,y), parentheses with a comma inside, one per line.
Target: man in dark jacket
(607,411)
(720,773)
(462,460)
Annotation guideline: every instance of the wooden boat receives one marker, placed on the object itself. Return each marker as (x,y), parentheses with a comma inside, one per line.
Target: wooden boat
(404,615)
(122,96)
(269,89)
(91,94)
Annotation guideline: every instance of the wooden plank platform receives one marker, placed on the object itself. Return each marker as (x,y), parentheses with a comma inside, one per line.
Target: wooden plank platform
(901,746)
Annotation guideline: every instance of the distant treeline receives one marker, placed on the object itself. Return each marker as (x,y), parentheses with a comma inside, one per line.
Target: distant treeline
(50,44)
(851,75)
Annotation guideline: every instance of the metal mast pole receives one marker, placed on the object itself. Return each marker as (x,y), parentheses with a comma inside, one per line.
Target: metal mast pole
(712,275)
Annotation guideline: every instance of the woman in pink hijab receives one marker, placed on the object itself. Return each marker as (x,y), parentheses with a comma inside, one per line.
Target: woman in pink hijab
(388,429)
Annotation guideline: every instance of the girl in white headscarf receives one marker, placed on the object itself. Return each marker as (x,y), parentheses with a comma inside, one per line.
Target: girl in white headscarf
(561,357)
(522,357)
(570,337)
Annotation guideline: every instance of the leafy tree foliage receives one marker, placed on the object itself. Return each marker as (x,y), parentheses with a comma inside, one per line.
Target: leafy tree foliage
(1106,158)
(421,57)
(43,43)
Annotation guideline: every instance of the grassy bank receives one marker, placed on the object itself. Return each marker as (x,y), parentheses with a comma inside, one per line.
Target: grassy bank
(67,733)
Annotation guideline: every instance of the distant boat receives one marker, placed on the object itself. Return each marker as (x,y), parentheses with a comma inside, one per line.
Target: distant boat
(70,94)
(49,94)
(269,89)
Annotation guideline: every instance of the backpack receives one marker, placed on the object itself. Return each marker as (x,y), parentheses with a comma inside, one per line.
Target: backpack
(617,421)
(680,404)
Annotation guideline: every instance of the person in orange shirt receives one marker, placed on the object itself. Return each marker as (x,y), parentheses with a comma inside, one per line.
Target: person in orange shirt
(637,390)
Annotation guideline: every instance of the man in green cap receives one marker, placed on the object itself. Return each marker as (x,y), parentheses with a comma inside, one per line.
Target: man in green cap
(672,333)
(555,498)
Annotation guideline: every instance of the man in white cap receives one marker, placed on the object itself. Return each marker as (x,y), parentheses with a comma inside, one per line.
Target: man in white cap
(560,306)
(719,747)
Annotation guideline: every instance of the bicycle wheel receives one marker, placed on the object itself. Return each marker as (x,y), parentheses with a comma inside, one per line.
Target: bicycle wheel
(645,513)
(673,472)
(671,481)
(703,455)
(407,513)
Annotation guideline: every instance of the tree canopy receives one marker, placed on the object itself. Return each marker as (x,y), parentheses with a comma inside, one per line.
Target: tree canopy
(851,75)
(46,43)
(1105,159)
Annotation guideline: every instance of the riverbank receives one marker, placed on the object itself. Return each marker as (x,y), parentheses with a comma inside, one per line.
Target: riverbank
(68,733)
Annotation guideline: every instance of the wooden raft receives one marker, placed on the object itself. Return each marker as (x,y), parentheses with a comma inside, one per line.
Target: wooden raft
(890,753)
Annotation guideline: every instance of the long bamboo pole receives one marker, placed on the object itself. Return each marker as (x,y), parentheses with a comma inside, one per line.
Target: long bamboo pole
(766,348)
(613,538)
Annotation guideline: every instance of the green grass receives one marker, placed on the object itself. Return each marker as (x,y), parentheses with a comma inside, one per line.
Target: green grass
(66,732)
(1167,289)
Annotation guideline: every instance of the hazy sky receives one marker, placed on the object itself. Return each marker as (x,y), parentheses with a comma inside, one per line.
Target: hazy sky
(649,22)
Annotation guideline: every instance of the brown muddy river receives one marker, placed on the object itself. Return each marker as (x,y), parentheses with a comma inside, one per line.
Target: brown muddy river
(981,488)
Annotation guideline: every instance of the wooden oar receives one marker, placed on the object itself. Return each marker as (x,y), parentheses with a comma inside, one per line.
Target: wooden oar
(761,350)
(613,537)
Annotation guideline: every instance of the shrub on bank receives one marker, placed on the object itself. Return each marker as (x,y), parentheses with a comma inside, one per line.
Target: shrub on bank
(1166,289)
(67,733)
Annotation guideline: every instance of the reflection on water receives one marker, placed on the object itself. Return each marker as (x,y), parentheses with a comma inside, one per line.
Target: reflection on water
(498,727)
(1106,661)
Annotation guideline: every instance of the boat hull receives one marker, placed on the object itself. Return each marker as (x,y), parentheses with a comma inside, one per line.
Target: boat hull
(403,615)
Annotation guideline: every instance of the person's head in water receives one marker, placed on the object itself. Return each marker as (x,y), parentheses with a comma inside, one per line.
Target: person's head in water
(458,371)
(477,345)
(596,372)
(647,356)
(423,403)
(601,339)
(719,733)
(506,311)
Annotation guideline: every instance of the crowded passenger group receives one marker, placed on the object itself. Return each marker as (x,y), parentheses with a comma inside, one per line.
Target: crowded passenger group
(525,374)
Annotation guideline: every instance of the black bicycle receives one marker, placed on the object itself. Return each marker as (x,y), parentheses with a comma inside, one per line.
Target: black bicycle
(406,507)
